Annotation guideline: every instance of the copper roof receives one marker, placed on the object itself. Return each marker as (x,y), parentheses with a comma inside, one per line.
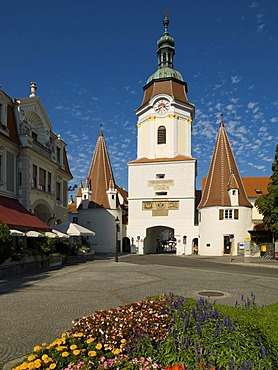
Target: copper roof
(172,87)
(100,175)
(223,175)
(153,160)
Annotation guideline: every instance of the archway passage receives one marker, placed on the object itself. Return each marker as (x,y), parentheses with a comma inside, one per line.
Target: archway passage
(160,239)
(43,213)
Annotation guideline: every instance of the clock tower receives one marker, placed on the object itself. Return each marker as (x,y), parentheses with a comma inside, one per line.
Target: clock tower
(162,178)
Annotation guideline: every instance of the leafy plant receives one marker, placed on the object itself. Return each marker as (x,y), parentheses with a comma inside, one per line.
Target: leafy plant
(5,242)
(169,333)
(268,203)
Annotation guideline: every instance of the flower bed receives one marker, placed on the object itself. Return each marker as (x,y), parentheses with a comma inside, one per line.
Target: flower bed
(170,333)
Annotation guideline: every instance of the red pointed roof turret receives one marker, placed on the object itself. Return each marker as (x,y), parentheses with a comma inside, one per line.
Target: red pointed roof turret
(79,190)
(223,175)
(100,175)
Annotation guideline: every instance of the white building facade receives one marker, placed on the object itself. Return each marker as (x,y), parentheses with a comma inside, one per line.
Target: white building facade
(161,181)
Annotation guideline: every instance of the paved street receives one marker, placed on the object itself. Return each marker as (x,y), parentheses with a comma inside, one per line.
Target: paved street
(39,307)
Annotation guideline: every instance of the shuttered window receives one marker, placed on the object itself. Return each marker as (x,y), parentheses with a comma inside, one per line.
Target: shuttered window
(10,171)
(228,214)
(221,214)
(42,178)
(58,190)
(161,135)
(34,179)
(49,182)
(65,193)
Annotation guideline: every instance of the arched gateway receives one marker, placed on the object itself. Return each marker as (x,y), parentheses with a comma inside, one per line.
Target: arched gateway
(160,239)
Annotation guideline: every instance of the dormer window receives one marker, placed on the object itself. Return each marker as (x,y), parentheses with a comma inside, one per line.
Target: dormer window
(258,191)
(3,115)
(58,155)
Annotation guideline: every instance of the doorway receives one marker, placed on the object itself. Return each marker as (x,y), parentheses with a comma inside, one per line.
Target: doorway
(160,239)
(227,244)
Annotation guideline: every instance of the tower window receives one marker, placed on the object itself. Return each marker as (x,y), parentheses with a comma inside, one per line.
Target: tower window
(228,214)
(160,175)
(161,193)
(161,135)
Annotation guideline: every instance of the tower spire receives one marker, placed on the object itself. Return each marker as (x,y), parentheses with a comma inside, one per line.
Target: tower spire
(165,56)
(166,47)
(100,176)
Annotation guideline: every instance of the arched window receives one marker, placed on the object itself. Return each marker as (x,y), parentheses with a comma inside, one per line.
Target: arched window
(161,135)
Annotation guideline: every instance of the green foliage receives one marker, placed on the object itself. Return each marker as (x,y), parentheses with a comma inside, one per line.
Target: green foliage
(63,246)
(267,204)
(5,242)
(166,333)
(208,337)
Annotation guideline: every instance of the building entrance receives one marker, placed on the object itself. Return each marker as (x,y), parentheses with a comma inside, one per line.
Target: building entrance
(227,244)
(160,239)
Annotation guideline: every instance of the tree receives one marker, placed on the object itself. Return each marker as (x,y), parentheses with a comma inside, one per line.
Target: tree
(5,242)
(267,204)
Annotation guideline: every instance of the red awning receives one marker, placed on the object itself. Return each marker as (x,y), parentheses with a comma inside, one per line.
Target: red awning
(17,217)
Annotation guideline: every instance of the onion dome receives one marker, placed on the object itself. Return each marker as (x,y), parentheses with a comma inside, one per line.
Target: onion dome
(165,54)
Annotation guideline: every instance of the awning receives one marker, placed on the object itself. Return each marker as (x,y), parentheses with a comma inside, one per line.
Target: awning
(14,232)
(17,217)
(60,234)
(49,234)
(34,234)
(73,229)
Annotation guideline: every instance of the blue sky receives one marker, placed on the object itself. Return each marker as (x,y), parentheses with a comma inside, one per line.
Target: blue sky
(91,58)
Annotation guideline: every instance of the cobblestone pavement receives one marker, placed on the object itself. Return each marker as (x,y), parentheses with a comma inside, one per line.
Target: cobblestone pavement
(38,307)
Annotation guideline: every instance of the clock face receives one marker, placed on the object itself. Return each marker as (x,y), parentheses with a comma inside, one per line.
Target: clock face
(161,106)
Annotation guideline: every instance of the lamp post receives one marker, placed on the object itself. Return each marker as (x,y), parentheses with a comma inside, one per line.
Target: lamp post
(117,224)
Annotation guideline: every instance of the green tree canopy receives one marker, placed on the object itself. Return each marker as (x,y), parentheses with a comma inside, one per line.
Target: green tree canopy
(267,204)
(5,242)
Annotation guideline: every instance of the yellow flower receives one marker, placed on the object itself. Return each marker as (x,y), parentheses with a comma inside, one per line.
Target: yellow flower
(37,363)
(60,348)
(64,335)
(43,344)
(116,351)
(73,346)
(23,366)
(79,335)
(92,353)
(31,366)
(37,348)
(90,340)
(76,352)
(65,354)
(123,341)
(32,357)
(99,346)
(52,366)
(44,357)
